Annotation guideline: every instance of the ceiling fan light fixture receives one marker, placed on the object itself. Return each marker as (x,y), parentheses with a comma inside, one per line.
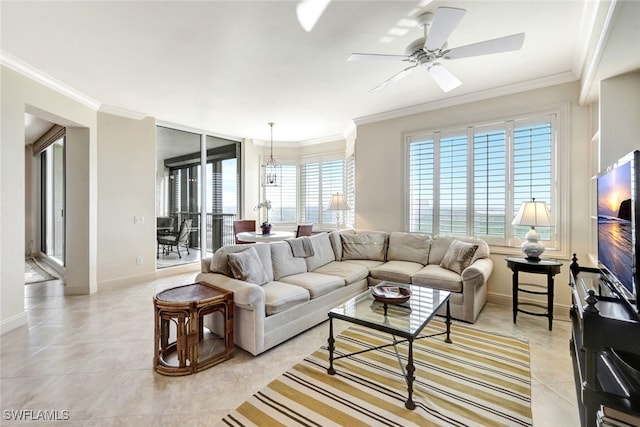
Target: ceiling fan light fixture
(309,11)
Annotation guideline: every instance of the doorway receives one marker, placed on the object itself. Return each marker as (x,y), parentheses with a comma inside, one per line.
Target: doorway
(52,203)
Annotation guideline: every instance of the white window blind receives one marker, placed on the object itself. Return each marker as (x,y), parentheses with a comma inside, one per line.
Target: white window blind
(421,185)
(473,180)
(453,185)
(532,167)
(319,180)
(489,184)
(284,197)
(349,190)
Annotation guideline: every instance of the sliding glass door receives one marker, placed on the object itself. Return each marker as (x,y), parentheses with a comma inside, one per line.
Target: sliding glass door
(210,199)
(52,163)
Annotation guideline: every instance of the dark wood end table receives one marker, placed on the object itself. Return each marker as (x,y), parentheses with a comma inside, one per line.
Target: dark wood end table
(184,308)
(550,267)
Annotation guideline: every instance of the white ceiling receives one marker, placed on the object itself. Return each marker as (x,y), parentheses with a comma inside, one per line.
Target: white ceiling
(230,67)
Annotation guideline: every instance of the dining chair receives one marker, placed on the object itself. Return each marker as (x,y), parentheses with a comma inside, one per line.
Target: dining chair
(242,225)
(304,230)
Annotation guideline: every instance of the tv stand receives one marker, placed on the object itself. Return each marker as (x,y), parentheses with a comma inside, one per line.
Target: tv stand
(605,348)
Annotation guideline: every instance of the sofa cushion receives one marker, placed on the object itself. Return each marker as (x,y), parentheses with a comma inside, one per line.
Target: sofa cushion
(366,245)
(246,265)
(396,271)
(317,284)
(280,296)
(459,256)
(349,271)
(220,262)
(284,263)
(322,251)
(437,277)
(336,242)
(409,247)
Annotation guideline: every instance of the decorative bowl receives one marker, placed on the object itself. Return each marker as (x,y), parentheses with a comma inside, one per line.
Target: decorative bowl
(390,294)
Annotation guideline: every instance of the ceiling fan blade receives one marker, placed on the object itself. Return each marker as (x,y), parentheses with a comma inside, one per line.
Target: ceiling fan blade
(309,11)
(443,77)
(376,57)
(487,47)
(444,22)
(393,79)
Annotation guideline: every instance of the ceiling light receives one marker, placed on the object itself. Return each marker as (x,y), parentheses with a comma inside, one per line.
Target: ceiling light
(270,167)
(309,11)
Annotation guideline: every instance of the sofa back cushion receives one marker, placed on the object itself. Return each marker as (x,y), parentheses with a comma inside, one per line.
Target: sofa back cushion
(371,245)
(284,263)
(220,262)
(322,251)
(441,244)
(336,242)
(412,247)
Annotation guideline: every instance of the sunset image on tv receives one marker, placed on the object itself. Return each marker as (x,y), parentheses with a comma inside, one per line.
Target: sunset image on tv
(615,245)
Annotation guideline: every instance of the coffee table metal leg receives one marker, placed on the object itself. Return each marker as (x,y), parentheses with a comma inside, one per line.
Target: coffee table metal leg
(332,347)
(410,377)
(448,322)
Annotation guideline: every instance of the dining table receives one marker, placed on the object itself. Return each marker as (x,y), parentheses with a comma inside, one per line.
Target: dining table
(257,236)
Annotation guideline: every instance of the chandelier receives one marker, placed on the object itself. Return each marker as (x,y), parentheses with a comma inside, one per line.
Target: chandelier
(270,167)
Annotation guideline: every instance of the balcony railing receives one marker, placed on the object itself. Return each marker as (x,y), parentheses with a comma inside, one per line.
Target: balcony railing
(218,229)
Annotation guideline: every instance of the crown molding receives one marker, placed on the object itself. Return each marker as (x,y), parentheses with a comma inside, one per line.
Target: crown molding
(41,77)
(122,112)
(470,97)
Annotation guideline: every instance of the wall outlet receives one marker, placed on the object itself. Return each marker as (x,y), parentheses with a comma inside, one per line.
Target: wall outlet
(139,260)
(138,220)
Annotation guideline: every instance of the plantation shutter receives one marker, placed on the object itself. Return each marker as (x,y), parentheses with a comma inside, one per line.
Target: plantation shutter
(532,168)
(453,185)
(309,193)
(489,183)
(283,197)
(421,185)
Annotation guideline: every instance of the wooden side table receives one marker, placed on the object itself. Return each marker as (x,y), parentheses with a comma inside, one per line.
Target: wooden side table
(550,267)
(179,314)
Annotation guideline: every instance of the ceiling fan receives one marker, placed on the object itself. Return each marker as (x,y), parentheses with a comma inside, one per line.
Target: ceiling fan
(428,50)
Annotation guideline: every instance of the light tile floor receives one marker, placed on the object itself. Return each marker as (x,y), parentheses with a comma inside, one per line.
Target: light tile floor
(92,356)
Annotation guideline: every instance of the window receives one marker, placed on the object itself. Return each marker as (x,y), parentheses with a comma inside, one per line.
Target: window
(283,197)
(471,181)
(319,180)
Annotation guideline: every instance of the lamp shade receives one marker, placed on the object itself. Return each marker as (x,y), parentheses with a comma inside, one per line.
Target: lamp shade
(534,214)
(338,203)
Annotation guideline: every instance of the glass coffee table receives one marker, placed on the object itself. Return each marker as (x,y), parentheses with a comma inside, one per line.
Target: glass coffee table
(406,320)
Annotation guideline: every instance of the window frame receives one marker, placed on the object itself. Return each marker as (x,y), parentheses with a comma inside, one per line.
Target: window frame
(559,175)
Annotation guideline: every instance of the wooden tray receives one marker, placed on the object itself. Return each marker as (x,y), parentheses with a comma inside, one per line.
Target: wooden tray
(390,294)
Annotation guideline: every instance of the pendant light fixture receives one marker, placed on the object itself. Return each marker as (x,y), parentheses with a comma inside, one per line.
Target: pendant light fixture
(270,167)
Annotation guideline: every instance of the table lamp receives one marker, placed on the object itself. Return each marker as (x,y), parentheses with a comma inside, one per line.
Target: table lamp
(338,203)
(534,214)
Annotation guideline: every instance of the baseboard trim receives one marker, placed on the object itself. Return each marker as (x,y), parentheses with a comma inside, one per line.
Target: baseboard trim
(560,311)
(13,322)
(122,282)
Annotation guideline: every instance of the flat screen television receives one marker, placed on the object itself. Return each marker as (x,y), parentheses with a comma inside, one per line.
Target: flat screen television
(619,226)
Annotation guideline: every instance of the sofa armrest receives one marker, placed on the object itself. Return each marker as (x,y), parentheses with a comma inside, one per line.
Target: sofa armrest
(477,273)
(205,265)
(245,295)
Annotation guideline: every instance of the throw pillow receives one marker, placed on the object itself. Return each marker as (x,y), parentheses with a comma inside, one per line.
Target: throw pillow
(459,256)
(246,266)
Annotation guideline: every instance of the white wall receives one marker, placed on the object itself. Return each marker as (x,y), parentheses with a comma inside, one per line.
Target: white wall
(380,176)
(619,117)
(127,189)
(20,94)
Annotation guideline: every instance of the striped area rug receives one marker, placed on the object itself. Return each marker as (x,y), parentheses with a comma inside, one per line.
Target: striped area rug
(481,379)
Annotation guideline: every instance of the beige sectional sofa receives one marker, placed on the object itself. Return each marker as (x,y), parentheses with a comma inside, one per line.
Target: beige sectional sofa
(278,295)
